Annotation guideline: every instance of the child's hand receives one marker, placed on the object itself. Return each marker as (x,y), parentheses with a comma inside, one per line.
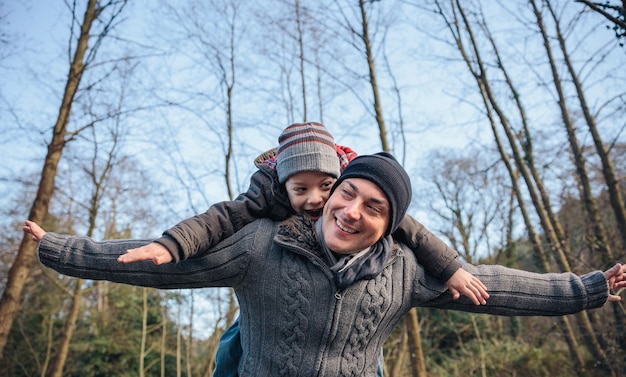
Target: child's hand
(155,252)
(462,282)
(34,229)
(616,277)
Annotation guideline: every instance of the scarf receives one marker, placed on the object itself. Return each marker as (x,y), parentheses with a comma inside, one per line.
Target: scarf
(363,265)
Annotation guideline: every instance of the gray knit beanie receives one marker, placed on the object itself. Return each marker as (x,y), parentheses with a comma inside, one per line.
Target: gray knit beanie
(384,171)
(306,147)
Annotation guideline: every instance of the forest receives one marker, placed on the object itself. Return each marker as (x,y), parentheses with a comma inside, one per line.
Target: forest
(121,118)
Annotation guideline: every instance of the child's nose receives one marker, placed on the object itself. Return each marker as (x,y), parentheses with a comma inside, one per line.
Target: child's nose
(316,198)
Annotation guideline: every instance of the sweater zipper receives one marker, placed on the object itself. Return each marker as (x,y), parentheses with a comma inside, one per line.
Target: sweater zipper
(311,257)
(332,333)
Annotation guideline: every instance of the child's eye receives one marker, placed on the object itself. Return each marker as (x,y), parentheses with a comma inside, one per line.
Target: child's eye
(327,185)
(297,190)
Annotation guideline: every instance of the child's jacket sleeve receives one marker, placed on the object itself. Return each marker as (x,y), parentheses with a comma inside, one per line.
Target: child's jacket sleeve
(438,259)
(265,198)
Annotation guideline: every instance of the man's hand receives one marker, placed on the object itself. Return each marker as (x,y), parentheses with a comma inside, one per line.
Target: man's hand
(616,277)
(462,282)
(34,229)
(155,252)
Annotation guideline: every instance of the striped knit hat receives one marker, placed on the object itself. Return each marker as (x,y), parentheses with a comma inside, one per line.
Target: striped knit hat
(306,147)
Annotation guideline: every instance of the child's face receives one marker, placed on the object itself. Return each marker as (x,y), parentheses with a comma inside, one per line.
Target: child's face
(308,191)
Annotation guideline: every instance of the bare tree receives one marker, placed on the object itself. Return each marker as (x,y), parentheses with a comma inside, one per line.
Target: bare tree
(212,48)
(459,24)
(598,239)
(302,60)
(594,342)
(378,110)
(470,203)
(81,59)
(615,12)
(612,183)
(98,181)
(5,37)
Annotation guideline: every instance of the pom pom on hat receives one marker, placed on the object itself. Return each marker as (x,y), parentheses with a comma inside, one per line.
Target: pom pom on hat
(306,147)
(384,171)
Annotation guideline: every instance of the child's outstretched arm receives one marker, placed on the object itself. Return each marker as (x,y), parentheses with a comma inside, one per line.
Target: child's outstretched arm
(440,261)
(265,198)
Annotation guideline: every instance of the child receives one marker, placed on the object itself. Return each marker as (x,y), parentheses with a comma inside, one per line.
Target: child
(278,189)
(294,179)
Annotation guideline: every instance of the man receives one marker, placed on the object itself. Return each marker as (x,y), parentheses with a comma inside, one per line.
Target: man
(320,298)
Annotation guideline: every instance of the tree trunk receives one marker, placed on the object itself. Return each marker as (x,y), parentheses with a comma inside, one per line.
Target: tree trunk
(593,342)
(599,241)
(144,332)
(213,342)
(378,110)
(608,171)
(189,346)
(541,259)
(98,180)
(301,58)
(163,338)
(534,186)
(66,336)
(179,344)
(19,271)
(397,359)
(418,365)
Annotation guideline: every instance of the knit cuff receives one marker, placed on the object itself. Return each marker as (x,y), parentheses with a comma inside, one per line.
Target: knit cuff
(597,289)
(48,251)
(450,269)
(171,245)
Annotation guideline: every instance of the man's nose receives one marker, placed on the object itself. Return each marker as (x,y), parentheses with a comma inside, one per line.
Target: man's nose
(351,210)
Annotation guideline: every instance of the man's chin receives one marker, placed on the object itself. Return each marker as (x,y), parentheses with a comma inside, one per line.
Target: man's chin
(338,246)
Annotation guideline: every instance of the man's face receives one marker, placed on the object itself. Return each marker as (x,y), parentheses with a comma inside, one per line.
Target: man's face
(355,216)
(308,191)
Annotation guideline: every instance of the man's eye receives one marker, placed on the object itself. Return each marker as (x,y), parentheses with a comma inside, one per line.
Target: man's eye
(374,209)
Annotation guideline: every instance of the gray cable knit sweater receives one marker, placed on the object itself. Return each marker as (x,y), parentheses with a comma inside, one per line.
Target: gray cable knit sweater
(294,321)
